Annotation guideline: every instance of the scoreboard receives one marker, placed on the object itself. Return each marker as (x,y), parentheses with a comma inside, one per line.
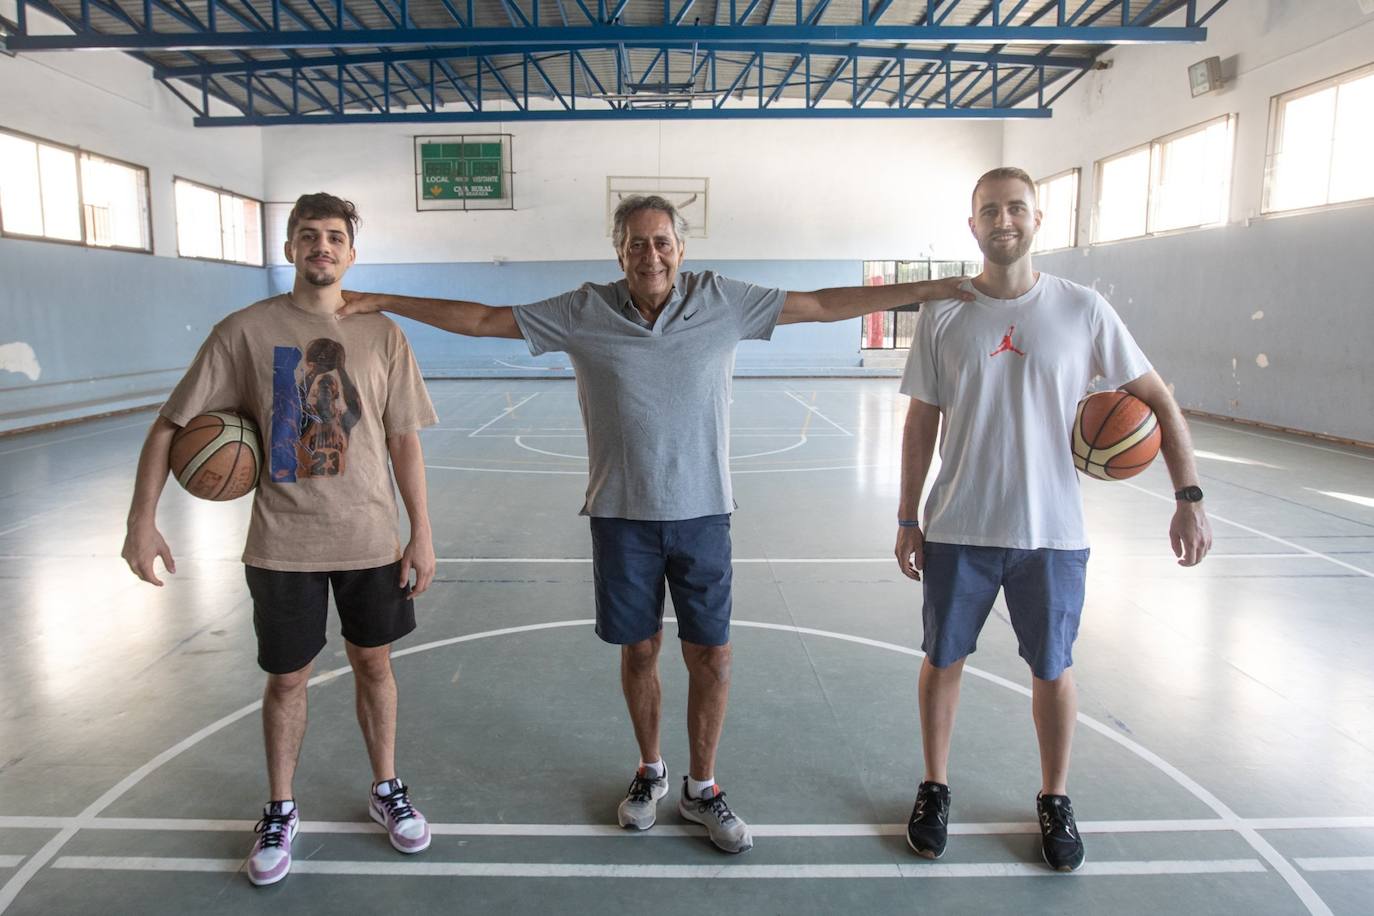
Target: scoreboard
(461,171)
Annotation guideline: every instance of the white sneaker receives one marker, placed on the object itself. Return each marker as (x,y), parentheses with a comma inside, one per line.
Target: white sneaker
(389,804)
(270,859)
(639,809)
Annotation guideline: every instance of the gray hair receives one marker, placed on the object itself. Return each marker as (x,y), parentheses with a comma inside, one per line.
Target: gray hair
(632,205)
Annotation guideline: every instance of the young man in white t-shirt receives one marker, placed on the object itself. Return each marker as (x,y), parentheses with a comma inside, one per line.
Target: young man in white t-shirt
(1005,374)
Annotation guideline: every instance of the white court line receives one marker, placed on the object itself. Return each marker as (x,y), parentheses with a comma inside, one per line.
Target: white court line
(1285,869)
(838,467)
(841,561)
(752,872)
(777,451)
(746,561)
(1264,534)
(580,435)
(505,413)
(612,831)
(519,441)
(10,861)
(1297,442)
(451,467)
(818,413)
(1337,863)
(1295,881)
(99,432)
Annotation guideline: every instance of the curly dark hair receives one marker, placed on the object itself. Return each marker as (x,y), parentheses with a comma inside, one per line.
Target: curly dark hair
(323,206)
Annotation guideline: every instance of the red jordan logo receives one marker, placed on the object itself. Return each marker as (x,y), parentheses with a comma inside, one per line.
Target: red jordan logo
(1007,344)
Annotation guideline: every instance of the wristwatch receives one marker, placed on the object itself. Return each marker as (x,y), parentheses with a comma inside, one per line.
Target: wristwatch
(1191,494)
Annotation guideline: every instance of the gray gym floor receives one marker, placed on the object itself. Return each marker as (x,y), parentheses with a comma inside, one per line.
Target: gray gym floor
(1223,761)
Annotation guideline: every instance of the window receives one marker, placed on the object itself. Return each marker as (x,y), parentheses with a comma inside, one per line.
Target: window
(1057,198)
(49,191)
(1190,177)
(1180,181)
(217,225)
(1319,142)
(1123,195)
(894,329)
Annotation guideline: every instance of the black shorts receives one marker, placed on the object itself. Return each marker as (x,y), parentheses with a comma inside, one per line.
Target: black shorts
(290,610)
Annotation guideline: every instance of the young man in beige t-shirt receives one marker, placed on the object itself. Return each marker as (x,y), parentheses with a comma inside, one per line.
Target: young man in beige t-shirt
(339,406)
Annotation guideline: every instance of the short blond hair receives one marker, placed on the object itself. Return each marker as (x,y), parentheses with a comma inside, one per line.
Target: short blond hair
(998,174)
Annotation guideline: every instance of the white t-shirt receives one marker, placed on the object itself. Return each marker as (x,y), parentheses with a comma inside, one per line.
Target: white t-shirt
(1007,375)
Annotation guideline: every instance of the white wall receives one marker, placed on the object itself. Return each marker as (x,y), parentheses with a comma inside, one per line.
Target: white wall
(109,330)
(108,103)
(784,191)
(1256,318)
(1267,47)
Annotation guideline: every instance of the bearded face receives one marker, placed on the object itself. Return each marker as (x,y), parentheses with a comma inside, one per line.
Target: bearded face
(1004,220)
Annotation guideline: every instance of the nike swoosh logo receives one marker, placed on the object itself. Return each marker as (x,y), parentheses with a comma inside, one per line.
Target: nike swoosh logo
(689,317)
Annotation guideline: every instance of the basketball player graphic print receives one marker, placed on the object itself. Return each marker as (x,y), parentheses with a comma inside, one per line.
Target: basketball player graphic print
(1007,346)
(314,410)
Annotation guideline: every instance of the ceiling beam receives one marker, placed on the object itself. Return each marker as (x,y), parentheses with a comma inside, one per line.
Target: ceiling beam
(536,36)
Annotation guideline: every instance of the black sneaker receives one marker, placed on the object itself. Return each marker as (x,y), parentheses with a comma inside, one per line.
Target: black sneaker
(1060,843)
(928,829)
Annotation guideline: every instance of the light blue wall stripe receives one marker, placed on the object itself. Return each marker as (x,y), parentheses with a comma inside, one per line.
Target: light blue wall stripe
(110,329)
(1207,305)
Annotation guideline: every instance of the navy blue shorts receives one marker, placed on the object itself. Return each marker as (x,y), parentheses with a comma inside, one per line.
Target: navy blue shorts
(632,560)
(1044,590)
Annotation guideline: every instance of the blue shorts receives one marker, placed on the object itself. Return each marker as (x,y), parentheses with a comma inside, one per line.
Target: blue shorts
(1044,590)
(632,559)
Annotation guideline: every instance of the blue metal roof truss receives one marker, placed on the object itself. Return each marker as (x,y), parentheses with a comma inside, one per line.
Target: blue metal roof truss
(475,61)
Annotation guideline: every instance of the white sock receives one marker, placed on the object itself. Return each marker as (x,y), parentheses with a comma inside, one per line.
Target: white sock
(697,787)
(657,769)
(286,807)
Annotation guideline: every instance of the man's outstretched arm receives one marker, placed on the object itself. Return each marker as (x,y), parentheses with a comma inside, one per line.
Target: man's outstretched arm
(456,316)
(841,302)
(1190,534)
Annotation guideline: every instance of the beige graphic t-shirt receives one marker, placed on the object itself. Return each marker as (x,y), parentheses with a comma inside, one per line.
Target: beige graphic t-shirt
(325,394)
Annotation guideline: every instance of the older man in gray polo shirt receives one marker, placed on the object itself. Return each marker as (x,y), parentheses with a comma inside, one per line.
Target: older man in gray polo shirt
(654,354)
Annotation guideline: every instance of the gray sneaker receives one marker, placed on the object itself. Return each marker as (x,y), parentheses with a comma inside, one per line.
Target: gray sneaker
(728,831)
(639,809)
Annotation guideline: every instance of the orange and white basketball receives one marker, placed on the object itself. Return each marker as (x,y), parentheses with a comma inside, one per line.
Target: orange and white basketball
(217,455)
(1115,435)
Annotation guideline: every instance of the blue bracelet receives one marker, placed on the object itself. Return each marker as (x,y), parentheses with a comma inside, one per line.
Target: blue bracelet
(908,523)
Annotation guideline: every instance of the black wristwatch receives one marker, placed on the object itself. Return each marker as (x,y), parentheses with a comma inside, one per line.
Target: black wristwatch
(1191,494)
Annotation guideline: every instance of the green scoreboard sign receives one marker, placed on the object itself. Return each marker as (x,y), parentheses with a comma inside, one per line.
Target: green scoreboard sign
(461,171)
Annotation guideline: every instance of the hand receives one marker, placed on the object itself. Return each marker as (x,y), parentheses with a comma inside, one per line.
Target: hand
(946,288)
(911,552)
(419,556)
(360,303)
(142,545)
(1190,534)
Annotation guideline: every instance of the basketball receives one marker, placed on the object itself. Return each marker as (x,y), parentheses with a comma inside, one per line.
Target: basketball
(1115,435)
(217,455)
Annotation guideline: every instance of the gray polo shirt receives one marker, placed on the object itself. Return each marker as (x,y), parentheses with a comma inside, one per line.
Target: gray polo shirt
(655,399)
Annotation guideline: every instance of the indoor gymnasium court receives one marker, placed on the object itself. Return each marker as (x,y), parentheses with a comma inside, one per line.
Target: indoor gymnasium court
(1203,166)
